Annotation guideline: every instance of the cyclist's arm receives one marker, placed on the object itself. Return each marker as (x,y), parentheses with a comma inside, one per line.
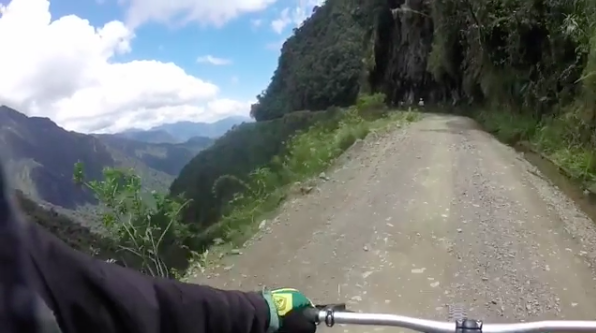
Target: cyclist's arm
(89,295)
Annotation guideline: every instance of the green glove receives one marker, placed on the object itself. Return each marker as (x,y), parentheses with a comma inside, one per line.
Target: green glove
(281,302)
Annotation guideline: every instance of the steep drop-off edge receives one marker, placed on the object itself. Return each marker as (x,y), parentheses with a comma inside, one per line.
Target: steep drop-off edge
(72,233)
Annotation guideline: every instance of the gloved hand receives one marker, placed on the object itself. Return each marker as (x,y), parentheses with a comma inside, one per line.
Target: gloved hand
(286,307)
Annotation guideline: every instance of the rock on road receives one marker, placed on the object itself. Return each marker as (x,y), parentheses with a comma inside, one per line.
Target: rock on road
(430,215)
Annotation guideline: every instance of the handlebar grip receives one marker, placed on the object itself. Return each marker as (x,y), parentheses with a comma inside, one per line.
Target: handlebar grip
(312,314)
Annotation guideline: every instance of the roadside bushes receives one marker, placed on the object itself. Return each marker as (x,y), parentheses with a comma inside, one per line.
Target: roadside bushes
(236,154)
(147,230)
(372,106)
(508,126)
(307,153)
(557,137)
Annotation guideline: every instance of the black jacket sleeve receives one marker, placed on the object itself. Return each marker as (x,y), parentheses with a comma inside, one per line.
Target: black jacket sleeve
(89,295)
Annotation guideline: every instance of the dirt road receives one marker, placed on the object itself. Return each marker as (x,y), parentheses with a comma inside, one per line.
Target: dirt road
(434,214)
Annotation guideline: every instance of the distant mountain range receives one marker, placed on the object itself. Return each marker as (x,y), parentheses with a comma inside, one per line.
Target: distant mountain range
(39,157)
(182,131)
(149,136)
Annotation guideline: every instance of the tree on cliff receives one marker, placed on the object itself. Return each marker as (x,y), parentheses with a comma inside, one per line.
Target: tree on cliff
(321,63)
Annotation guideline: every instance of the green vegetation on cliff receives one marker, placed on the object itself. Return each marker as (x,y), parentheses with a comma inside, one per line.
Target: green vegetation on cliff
(237,154)
(321,63)
(528,68)
(147,233)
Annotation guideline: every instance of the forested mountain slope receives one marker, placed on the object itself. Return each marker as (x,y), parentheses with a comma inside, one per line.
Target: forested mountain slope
(150,136)
(185,130)
(321,63)
(169,158)
(236,154)
(532,58)
(39,156)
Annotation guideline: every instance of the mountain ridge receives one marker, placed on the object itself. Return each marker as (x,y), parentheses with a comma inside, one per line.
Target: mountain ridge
(182,131)
(39,156)
(149,136)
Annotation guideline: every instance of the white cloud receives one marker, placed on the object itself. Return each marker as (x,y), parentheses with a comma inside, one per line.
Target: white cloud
(256,23)
(294,16)
(284,20)
(145,118)
(206,12)
(209,59)
(65,70)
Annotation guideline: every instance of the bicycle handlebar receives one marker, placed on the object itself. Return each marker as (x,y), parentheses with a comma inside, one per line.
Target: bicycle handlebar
(337,314)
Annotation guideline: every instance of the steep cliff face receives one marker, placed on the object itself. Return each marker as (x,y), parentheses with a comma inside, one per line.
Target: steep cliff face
(529,54)
(418,52)
(402,41)
(524,53)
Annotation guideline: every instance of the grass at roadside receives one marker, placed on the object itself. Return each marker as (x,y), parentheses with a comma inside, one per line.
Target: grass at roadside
(559,139)
(308,154)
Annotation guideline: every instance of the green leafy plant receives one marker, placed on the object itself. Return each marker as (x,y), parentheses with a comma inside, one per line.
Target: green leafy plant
(146,228)
(371,106)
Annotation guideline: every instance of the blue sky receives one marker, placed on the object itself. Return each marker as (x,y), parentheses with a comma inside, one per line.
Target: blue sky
(251,49)
(140,63)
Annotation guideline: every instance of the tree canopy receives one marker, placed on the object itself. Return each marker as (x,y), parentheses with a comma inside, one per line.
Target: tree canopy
(321,63)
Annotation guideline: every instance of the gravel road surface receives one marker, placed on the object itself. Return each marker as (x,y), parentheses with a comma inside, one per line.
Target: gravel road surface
(413,221)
